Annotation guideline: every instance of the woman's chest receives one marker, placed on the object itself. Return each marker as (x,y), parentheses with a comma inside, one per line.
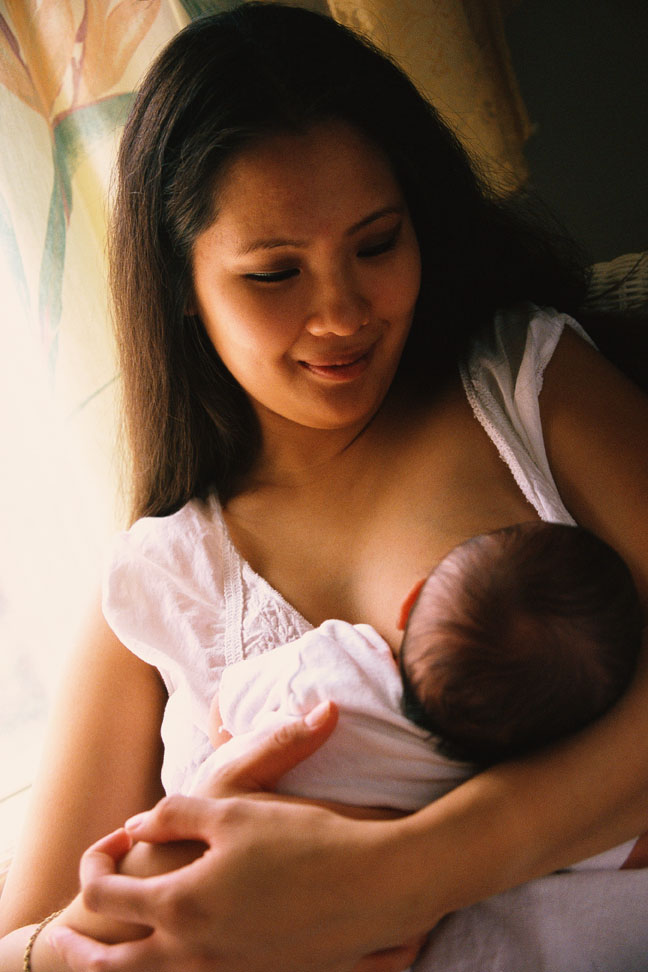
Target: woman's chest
(374,561)
(352,545)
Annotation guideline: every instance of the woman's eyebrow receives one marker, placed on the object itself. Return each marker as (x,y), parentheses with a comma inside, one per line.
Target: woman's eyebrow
(374,217)
(270,244)
(274,242)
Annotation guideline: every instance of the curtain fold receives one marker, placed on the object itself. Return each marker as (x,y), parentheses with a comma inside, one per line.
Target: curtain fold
(67,74)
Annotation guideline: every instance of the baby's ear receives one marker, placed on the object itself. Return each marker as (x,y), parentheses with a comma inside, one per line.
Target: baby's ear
(409,603)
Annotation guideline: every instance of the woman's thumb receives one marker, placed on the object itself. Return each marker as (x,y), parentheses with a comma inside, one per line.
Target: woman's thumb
(247,764)
(263,758)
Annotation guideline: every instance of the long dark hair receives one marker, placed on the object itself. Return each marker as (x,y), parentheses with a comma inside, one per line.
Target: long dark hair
(221,83)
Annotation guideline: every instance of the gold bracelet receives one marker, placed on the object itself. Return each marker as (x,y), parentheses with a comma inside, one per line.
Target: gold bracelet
(34,935)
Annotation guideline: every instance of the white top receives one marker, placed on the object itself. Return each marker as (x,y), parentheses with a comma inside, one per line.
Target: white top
(178,594)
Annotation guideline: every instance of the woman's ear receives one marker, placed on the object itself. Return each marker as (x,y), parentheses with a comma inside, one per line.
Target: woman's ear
(409,603)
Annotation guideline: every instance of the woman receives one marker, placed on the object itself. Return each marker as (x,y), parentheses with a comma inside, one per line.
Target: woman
(301,256)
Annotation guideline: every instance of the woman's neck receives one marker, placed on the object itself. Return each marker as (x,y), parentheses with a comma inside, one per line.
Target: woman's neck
(293,455)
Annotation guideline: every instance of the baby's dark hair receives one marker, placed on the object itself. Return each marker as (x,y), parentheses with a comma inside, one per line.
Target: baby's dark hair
(519,638)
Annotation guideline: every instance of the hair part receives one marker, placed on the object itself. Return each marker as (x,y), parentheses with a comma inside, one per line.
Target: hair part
(519,638)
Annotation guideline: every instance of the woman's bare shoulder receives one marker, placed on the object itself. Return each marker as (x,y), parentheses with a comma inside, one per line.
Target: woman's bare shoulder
(595,423)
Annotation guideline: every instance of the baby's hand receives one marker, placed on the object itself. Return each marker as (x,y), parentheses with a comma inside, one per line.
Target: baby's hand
(218,734)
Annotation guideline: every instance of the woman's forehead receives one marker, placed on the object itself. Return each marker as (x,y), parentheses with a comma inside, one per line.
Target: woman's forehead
(331,171)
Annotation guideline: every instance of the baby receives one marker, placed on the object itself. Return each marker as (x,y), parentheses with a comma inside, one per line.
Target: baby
(516,639)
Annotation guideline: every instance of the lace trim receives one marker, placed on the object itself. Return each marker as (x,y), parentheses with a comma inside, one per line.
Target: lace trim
(486,409)
(233,593)
(242,587)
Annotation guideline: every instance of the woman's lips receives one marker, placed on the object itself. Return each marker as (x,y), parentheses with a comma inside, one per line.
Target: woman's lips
(342,368)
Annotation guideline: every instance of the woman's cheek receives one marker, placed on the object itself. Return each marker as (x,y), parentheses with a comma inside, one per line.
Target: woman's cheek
(277,322)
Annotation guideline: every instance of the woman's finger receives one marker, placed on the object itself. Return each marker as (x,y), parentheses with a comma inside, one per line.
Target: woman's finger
(173,818)
(83,954)
(263,758)
(104,854)
(126,898)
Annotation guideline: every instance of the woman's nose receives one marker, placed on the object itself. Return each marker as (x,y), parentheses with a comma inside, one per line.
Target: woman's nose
(337,308)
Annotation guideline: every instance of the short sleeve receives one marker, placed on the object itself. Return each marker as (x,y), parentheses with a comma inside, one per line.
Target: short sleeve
(163,591)
(502,379)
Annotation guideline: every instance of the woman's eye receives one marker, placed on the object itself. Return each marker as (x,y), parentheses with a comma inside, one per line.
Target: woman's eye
(382,247)
(272,276)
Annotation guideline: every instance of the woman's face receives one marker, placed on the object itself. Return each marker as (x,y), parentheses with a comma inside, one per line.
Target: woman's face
(306,282)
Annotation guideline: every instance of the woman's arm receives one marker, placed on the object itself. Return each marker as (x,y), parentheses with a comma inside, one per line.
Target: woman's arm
(591,791)
(595,424)
(329,889)
(101,763)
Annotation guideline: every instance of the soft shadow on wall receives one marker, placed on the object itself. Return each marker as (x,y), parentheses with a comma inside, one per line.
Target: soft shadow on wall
(583,74)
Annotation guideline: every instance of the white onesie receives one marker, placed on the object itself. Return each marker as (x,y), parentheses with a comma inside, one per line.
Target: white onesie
(375,756)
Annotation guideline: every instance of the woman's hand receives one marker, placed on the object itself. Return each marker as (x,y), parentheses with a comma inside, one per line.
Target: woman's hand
(281,884)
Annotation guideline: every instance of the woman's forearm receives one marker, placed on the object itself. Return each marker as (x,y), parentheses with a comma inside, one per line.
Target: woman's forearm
(525,819)
(43,956)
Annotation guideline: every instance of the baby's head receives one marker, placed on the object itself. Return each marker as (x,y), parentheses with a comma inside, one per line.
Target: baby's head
(518,638)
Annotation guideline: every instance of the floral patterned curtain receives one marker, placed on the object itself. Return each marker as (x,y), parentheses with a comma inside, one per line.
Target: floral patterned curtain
(68,69)
(67,73)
